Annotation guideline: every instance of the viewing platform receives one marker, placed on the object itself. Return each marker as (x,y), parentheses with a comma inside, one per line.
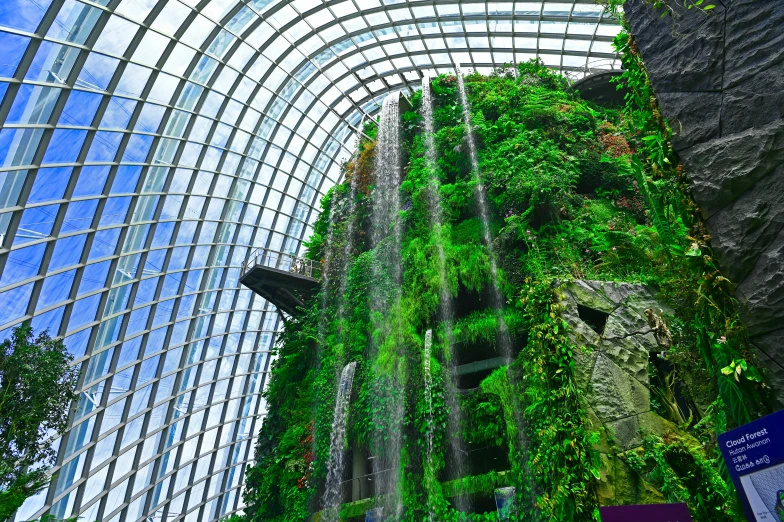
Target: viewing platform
(599,87)
(285,280)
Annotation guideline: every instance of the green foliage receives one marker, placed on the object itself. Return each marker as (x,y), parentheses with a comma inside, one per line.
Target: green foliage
(707,321)
(684,474)
(574,191)
(23,485)
(561,455)
(233,518)
(36,390)
(277,488)
(483,421)
(711,350)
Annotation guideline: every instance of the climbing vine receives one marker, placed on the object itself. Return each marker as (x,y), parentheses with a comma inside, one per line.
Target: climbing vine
(562,454)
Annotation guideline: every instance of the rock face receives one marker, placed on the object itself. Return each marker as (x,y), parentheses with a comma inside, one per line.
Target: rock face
(615,344)
(719,79)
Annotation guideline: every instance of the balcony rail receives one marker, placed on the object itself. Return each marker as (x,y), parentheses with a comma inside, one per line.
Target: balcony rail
(360,488)
(282,261)
(592,67)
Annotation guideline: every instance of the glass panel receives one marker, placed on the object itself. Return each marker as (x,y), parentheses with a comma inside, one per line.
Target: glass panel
(13,47)
(74,22)
(22,14)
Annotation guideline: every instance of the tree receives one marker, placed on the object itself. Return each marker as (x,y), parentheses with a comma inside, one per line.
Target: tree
(37,384)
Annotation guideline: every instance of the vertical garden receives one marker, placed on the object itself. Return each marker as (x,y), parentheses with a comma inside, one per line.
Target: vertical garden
(518,301)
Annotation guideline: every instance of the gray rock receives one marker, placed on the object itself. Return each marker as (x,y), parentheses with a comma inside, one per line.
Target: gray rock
(682,52)
(608,290)
(748,226)
(626,321)
(723,169)
(761,294)
(631,292)
(627,339)
(584,294)
(638,303)
(583,367)
(615,394)
(579,332)
(693,116)
(754,38)
(625,433)
(629,355)
(757,101)
(653,424)
(770,356)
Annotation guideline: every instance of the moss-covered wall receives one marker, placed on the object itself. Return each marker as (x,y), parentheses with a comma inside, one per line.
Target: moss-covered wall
(574,195)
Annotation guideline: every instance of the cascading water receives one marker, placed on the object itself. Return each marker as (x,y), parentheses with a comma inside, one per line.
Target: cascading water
(429,401)
(326,269)
(332,494)
(434,204)
(457,453)
(386,194)
(385,293)
(503,340)
(347,249)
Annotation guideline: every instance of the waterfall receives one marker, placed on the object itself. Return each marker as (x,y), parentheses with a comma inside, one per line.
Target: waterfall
(333,493)
(429,401)
(348,247)
(385,293)
(326,269)
(504,341)
(457,460)
(325,275)
(434,205)
(386,194)
(340,268)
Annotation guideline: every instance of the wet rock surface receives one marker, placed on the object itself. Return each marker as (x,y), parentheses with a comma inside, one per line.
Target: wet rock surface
(720,81)
(611,367)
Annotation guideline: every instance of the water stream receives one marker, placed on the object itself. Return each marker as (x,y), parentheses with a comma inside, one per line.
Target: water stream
(333,493)
(503,340)
(457,454)
(429,401)
(385,293)
(348,248)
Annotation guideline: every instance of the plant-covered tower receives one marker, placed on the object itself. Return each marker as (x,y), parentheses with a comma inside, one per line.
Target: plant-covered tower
(512,322)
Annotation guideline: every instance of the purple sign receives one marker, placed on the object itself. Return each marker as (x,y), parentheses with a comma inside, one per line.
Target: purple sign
(754,454)
(646,513)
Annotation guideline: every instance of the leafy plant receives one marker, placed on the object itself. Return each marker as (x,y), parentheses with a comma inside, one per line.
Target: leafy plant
(37,386)
(684,474)
(573,191)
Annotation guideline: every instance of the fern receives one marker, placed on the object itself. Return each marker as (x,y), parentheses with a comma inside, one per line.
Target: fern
(655,206)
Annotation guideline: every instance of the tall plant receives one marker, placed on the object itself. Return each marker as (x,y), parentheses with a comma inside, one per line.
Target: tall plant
(37,385)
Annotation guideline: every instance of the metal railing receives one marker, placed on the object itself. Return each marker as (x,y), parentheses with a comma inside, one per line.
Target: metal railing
(366,486)
(282,261)
(592,67)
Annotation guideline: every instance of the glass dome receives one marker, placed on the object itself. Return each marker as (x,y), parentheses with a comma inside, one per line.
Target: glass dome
(146,147)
